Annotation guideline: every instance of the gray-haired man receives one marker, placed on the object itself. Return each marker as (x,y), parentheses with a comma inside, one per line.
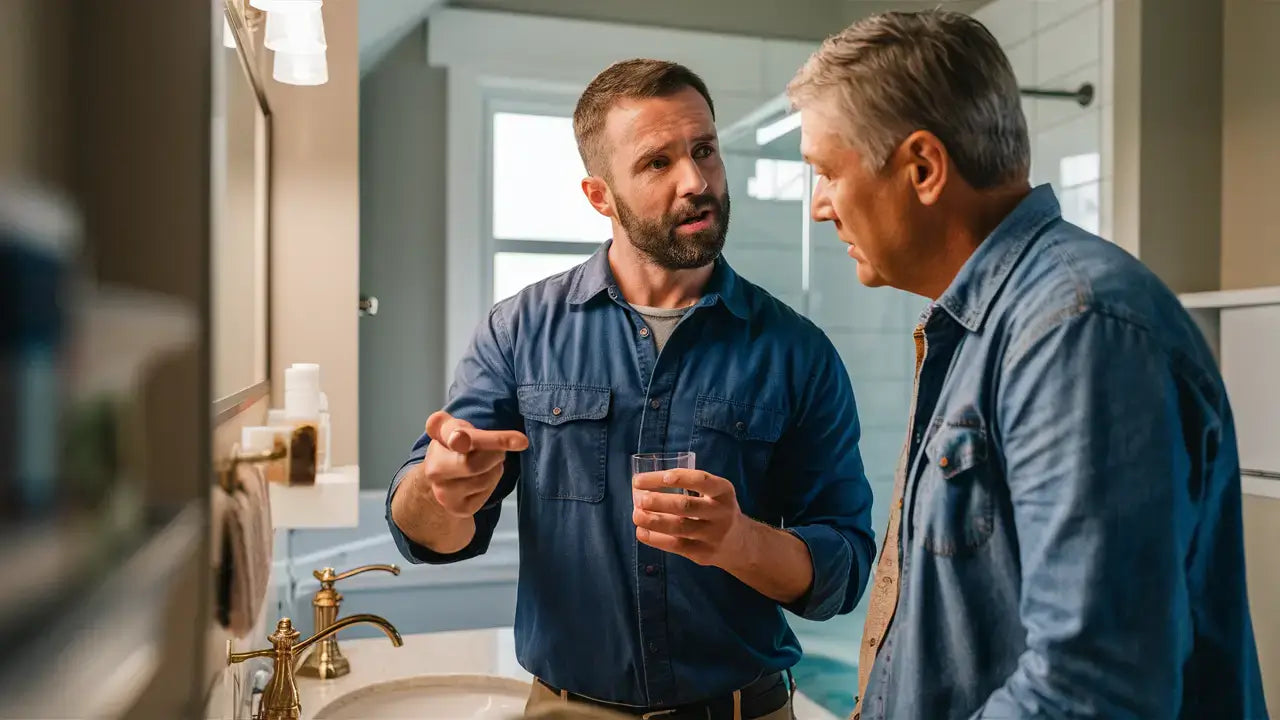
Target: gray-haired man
(1065,534)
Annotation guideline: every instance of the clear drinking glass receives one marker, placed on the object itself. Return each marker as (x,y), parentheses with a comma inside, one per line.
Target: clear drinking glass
(660,462)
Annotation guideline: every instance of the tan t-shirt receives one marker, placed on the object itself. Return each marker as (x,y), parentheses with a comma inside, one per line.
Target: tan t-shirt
(662,321)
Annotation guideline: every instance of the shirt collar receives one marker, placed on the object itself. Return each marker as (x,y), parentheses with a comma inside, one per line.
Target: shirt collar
(975,288)
(595,277)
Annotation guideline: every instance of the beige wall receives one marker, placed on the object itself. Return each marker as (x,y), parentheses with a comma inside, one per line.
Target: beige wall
(315,227)
(1166,137)
(1261,538)
(1251,144)
(1251,257)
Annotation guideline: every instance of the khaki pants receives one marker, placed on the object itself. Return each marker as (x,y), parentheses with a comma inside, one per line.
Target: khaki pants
(543,703)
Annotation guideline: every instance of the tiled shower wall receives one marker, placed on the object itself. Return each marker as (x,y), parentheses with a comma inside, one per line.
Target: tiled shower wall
(1057,45)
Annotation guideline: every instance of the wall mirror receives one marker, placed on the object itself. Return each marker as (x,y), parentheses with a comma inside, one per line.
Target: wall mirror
(241,188)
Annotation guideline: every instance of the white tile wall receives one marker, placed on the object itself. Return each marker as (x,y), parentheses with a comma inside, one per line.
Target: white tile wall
(839,301)
(1076,137)
(1051,12)
(881,445)
(1069,45)
(777,270)
(872,356)
(1059,44)
(1023,58)
(1011,21)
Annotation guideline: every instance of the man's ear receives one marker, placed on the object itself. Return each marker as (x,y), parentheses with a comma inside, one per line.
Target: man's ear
(597,192)
(927,164)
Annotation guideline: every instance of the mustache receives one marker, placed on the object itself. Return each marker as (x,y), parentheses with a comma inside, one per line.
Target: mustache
(696,206)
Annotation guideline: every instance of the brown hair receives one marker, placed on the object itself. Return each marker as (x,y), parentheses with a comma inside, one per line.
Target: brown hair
(626,80)
(892,74)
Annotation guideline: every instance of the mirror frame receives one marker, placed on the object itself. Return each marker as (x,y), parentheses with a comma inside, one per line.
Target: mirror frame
(244,21)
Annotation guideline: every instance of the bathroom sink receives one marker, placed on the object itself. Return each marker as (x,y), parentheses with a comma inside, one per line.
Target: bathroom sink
(432,696)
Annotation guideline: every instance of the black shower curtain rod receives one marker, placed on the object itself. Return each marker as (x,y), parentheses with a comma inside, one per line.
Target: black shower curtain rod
(1082,95)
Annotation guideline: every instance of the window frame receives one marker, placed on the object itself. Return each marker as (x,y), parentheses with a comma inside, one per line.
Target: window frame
(529,102)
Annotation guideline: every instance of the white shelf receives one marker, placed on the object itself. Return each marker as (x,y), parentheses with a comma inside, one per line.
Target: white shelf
(333,502)
(1258,486)
(1218,299)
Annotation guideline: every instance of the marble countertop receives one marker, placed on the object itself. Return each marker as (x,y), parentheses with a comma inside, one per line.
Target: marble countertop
(467,652)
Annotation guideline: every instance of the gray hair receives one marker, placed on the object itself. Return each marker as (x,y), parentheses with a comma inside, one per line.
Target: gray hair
(895,73)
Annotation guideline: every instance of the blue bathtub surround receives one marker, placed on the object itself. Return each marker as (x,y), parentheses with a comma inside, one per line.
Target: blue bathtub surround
(423,598)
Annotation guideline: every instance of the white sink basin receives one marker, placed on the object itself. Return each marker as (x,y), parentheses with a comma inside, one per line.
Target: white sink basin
(432,696)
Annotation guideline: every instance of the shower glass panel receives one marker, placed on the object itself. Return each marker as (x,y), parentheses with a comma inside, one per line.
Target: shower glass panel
(774,243)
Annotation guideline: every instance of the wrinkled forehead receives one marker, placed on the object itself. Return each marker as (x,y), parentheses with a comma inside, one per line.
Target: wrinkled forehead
(823,133)
(635,125)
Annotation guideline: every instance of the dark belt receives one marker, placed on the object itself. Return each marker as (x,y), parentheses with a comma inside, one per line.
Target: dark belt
(766,695)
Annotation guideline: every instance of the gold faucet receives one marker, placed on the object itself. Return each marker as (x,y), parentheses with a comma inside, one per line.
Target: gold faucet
(326,660)
(280,699)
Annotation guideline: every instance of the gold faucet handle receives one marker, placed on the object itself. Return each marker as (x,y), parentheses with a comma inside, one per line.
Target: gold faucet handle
(327,576)
(235,657)
(282,640)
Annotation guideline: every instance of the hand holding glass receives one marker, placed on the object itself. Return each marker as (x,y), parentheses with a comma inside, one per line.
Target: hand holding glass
(661,462)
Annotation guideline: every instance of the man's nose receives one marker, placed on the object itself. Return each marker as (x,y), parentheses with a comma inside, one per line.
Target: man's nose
(692,181)
(820,209)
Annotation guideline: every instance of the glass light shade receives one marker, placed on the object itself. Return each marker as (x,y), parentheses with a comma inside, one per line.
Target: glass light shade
(301,68)
(298,32)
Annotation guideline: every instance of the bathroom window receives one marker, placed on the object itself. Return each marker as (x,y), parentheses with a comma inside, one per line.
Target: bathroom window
(514,271)
(537,178)
(540,223)
(1078,190)
(779,180)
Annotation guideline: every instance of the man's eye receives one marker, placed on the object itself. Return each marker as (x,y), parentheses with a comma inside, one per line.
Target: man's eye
(658,163)
(705,151)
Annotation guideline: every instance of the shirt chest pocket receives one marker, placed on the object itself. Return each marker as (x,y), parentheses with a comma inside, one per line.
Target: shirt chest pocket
(735,441)
(955,508)
(568,434)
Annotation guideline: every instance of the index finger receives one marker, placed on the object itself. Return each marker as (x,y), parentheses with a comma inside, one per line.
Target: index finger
(494,440)
(696,480)
(443,428)
(461,436)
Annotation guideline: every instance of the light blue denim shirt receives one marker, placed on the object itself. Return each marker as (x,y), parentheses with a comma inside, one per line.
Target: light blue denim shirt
(1071,538)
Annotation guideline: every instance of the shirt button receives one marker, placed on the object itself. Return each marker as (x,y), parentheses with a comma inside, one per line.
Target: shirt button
(556,411)
(644,332)
(653,647)
(741,426)
(655,403)
(650,569)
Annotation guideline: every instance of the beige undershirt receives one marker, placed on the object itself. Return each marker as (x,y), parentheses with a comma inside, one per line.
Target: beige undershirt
(662,321)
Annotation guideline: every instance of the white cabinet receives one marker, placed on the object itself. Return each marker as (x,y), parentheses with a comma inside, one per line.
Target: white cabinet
(1244,328)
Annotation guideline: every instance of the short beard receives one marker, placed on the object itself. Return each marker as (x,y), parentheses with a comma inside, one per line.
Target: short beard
(666,248)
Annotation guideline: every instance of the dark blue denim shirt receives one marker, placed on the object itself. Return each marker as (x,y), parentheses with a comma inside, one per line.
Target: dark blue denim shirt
(754,389)
(1071,540)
